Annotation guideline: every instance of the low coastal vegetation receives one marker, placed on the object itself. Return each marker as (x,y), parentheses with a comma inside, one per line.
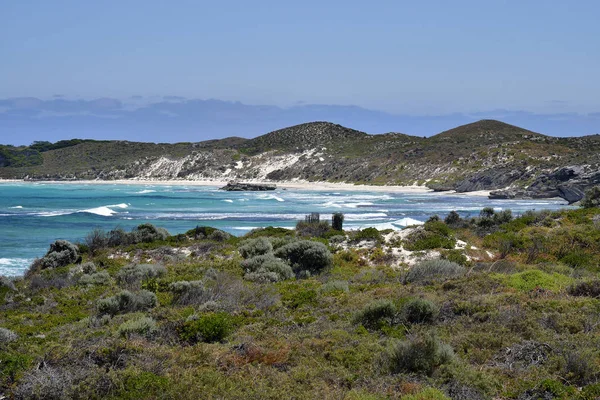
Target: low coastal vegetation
(492,307)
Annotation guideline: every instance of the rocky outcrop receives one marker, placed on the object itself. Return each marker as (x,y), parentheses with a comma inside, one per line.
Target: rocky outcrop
(568,183)
(491,179)
(247,187)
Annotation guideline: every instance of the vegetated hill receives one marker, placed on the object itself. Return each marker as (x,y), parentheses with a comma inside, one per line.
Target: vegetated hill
(278,314)
(303,137)
(484,155)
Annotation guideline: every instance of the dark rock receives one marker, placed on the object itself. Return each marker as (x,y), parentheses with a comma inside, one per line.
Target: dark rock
(247,187)
(492,178)
(570,193)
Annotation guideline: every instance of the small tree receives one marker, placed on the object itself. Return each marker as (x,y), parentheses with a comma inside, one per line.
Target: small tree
(337,221)
(591,198)
(312,218)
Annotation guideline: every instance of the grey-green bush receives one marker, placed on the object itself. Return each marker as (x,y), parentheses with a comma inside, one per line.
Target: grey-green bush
(306,255)
(420,355)
(591,198)
(146,233)
(417,311)
(7,336)
(126,301)
(188,292)
(88,267)
(61,253)
(255,247)
(98,278)
(6,282)
(266,268)
(133,275)
(333,287)
(433,271)
(377,314)
(142,326)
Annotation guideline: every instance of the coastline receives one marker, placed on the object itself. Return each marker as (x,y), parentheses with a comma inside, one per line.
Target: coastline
(294,185)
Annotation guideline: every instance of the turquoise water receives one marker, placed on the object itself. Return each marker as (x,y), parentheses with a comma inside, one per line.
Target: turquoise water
(32,215)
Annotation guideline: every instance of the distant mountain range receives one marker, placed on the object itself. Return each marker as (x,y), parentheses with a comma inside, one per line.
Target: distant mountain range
(485,155)
(175,119)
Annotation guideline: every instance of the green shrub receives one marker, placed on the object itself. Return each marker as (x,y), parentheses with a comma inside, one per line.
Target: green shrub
(427,394)
(142,326)
(207,328)
(337,221)
(367,234)
(188,292)
(535,279)
(579,259)
(434,271)
(266,268)
(98,278)
(377,314)
(417,311)
(591,198)
(306,255)
(420,355)
(456,256)
(255,247)
(432,235)
(7,336)
(126,301)
(133,275)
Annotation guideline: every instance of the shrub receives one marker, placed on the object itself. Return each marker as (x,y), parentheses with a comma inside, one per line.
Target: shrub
(420,355)
(133,275)
(337,239)
(96,240)
(433,271)
(61,253)
(6,282)
(535,279)
(207,328)
(126,301)
(146,233)
(88,267)
(142,326)
(417,311)
(432,235)
(456,256)
(591,198)
(453,218)
(427,394)
(188,292)
(334,287)
(337,221)
(7,336)
(266,268)
(368,234)
(219,236)
(312,229)
(98,278)
(377,314)
(255,247)
(306,255)
(589,289)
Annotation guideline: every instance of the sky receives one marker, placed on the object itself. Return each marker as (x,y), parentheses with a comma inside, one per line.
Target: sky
(402,58)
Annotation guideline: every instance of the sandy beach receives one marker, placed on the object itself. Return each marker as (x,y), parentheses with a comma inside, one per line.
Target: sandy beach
(293,185)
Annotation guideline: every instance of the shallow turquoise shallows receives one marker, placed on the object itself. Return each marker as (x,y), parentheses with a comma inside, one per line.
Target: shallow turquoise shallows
(32,215)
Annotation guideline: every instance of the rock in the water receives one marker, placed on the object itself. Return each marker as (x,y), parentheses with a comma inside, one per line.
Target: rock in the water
(247,187)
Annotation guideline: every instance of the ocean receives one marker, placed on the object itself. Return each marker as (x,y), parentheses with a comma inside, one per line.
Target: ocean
(32,215)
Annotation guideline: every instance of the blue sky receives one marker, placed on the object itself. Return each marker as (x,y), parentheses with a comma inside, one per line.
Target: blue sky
(410,58)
